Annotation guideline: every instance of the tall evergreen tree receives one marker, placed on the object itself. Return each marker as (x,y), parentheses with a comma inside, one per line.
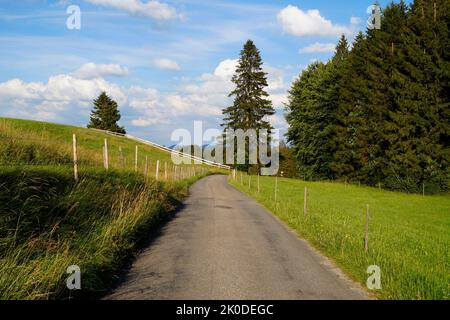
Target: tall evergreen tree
(365,100)
(105,114)
(311,114)
(251,105)
(387,104)
(353,96)
(417,153)
(304,118)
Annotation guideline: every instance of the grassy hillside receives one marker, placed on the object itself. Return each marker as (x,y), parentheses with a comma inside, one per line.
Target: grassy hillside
(25,142)
(49,222)
(408,234)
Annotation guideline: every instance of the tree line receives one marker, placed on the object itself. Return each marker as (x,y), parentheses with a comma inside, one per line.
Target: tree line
(379,113)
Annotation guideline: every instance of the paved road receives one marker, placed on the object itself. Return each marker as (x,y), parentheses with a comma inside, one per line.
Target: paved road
(223,245)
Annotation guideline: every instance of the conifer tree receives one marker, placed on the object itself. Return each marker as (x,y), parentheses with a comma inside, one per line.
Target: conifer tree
(386,104)
(418,122)
(349,130)
(311,114)
(303,116)
(105,114)
(251,105)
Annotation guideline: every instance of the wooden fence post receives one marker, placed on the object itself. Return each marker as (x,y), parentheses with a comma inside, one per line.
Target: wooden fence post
(165,171)
(75,157)
(106,155)
(122,164)
(136,159)
(305,202)
(103,156)
(249,181)
(157,170)
(435,11)
(366,236)
(258,182)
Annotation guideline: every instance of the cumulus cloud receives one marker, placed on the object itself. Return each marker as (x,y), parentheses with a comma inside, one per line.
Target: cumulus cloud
(355,21)
(203,98)
(65,96)
(141,122)
(167,64)
(278,122)
(61,96)
(151,9)
(318,48)
(92,70)
(308,23)
(59,88)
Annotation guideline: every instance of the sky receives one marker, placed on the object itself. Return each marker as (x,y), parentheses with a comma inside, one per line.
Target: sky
(167,63)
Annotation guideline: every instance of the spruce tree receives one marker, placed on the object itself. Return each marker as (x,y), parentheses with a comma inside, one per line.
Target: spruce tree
(417,153)
(386,103)
(105,114)
(349,131)
(311,114)
(251,105)
(305,119)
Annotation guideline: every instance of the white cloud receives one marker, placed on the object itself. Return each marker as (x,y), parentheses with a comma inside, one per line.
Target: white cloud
(59,88)
(151,9)
(92,70)
(226,69)
(141,122)
(318,47)
(308,23)
(278,121)
(278,88)
(167,64)
(203,98)
(355,21)
(65,97)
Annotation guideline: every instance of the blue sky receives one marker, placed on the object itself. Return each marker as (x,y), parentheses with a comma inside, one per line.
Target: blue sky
(167,63)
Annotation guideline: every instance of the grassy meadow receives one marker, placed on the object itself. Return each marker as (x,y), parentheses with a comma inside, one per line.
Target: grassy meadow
(409,235)
(48,221)
(26,142)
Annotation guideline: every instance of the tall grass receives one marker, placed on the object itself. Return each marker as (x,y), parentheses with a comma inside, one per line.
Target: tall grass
(52,223)
(408,234)
(49,222)
(26,142)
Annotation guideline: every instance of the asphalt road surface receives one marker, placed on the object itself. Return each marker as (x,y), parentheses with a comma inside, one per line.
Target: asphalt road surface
(224,245)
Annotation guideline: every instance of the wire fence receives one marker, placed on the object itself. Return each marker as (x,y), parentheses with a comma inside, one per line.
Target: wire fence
(112,154)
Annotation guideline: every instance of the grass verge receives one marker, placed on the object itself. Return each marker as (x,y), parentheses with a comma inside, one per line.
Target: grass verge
(409,235)
(48,222)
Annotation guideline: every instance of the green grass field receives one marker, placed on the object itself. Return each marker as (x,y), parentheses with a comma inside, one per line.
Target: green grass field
(409,235)
(26,142)
(49,222)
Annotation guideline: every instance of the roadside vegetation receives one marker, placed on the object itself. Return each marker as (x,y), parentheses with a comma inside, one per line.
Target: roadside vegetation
(49,222)
(377,112)
(408,234)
